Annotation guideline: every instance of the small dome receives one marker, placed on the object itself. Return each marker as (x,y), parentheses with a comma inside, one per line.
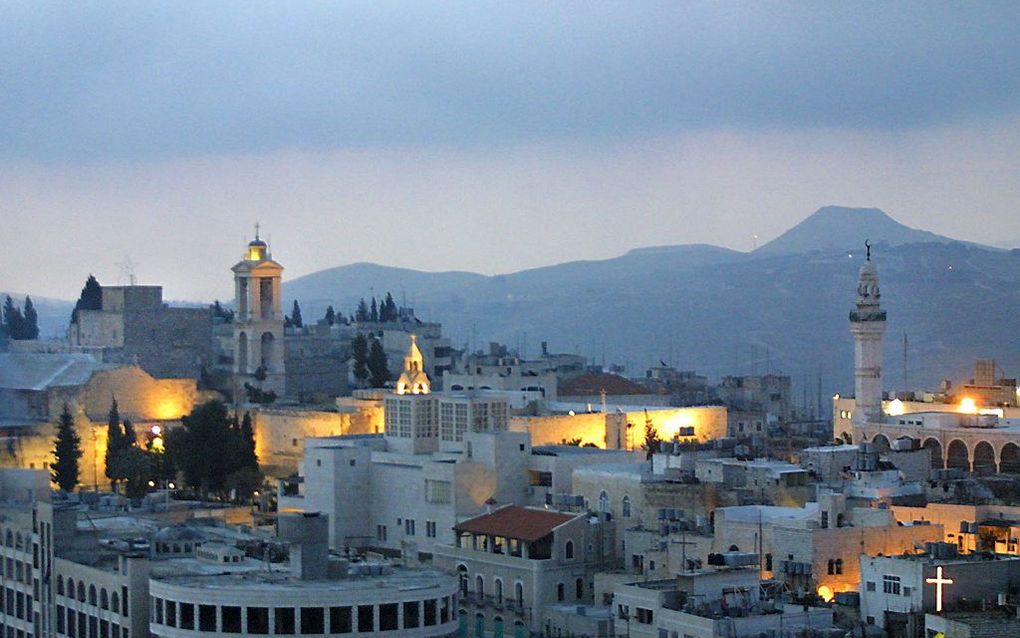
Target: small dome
(257,242)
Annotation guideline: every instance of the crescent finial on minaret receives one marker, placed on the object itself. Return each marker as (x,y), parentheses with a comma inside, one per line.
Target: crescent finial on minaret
(867,245)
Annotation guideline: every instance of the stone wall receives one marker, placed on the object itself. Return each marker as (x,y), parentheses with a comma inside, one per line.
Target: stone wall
(280,433)
(622,430)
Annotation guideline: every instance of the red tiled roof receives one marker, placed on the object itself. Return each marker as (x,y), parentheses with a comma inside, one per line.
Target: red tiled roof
(513,521)
(592,384)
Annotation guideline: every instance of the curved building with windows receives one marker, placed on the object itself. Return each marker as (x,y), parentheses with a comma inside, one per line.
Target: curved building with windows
(226,594)
(401,602)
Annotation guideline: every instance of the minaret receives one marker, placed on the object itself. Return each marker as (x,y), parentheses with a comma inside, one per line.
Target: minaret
(867,325)
(258,318)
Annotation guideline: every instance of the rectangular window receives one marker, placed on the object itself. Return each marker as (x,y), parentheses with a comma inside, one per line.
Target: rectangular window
(171,613)
(284,621)
(104,629)
(869,586)
(380,532)
(411,614)
(72,627)
(366,618)
(409,526)
(644,616)
(444,610)
(313,620)
(207,617)
(258,620)
(891,584)
(438,491)
(157,610)
(60,619)
(340,620)
(230,619)
(388,617)
(430,529)
(187,616)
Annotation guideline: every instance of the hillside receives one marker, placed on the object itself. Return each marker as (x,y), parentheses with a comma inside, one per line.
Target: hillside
(710,308)
(783,307)
(835,228)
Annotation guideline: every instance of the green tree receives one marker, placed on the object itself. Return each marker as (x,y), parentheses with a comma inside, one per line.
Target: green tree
(130,438)
(138,472)
(388,310)
(91,298)
(295,316)
(373,312)
(115,446)
(652,440)
(361,314)
(359,352)
(14,322)
(378,370)
(66,452)
(247,458)
(203,449)
(330,315)
(31,324)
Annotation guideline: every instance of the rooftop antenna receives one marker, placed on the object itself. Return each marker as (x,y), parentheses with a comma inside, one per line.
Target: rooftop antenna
(127,271)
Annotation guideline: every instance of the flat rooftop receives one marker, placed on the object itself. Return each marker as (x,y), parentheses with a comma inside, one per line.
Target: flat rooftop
(252,575)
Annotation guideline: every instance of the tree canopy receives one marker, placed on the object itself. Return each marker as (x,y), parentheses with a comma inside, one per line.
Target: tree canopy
(91,298)
(214,451)
(66,452)
(378,367)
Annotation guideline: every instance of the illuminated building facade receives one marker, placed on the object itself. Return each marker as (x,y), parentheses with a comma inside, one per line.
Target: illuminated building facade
(258,322)
(897,591)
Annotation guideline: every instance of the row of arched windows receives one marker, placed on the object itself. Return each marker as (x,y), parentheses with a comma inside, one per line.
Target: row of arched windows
(99,598)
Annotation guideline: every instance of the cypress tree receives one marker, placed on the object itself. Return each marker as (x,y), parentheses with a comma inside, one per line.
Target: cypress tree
(31,324)
(14,322)
(295,315)
(66,453)
(359,352)
(373,313)
(377,365)
(248,458)
(130,438)
(361,314)
(330,315)
(115,445)
(91,298)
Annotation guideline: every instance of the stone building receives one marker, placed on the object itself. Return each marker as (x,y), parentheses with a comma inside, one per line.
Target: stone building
(135,326)
(34,387)
(514,562)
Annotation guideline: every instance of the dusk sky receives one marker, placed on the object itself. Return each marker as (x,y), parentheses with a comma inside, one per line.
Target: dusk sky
(485,137)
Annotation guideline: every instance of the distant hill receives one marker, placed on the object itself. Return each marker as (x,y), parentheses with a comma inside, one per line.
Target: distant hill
(783,307)
(834,228)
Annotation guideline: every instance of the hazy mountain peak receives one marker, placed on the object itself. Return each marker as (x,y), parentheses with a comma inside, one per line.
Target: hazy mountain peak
(844,228)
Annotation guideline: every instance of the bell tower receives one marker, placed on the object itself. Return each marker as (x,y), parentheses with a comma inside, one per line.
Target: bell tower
(258,318)
(867,325)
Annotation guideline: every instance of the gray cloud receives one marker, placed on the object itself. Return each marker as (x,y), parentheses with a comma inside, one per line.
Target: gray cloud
(123,81)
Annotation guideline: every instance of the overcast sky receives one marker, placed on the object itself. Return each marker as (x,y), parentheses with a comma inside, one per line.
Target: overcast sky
(485,137)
